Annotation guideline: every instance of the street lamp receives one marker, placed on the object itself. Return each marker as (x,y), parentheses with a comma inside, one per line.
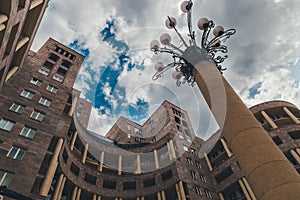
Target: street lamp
(209,48)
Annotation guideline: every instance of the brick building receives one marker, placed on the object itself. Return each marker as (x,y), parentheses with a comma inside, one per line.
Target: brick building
(19,21)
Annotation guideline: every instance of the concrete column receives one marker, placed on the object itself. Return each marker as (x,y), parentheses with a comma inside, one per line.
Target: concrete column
(3,18)
(138,164)
(62,188)
(163,195)
(181,189)
(78,194)
(74,194)
(178,191)
(99,198)
(35,3)
(45,187)
(172,148)
(298,151)
(269,120)
(120,165)
(2,27)
(85,151)
(251,193)
(142,198)
(255,151)
(22,42)
(295,155)
(221,197)
(11,73)
(208,162)
(291,115)
(138,198)
(169,151)
(156,159)
(101,161)
(244,190)
(74,137)
(229,153)
(95,197)
(57,187)
(158,196)
(72,109)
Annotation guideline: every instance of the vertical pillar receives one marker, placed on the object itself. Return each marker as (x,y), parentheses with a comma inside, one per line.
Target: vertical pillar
(101,161)
(78,194)
(85,151)
(208,162)
(291,115)
(138,198)
(74,137)
(251,193)
(163,195)
(2,27)
(229,153)
(35,3)
(172,148)
(22,42)
(244,190)
(158,196)
(57,187)
(94,196)
(177,191)
(74,193)
(11,73)
(221,197)
(269,120)
(62,188)
(181,189)
(45,187)
(169,151)
(99,197)
(138,164)
(3,18)
(156,159)
(295,155)
(298,151)
(72,109)
(142,198)
(246,137)
(120,165)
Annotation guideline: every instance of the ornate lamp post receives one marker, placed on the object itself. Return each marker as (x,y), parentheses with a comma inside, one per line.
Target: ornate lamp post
(268,171)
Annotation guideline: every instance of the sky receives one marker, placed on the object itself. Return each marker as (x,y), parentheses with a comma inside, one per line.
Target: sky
(116,75)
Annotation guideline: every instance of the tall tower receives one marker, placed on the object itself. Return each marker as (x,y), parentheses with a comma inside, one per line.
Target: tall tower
(36,109)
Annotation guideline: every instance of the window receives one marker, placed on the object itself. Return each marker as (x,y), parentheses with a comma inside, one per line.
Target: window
(128,135)
(37,115)
(61,71)
(28,132)
(44,71)
(198,165)
(27,94)
(129,185)
(202,178)
(193,151)
(5,178)
(194,175)
(36,82)
(52,89)
(181,136)
(207,193)
(16,153)
(198,190)
(189,160)
(53,57)
(6,124)
(17,108)
(185,148)
(58,78)
(44,101)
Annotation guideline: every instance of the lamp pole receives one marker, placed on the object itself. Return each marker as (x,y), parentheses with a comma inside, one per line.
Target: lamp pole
(267,170)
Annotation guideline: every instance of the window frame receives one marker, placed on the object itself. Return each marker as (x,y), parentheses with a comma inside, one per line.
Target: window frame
(30,132)
(19,108)
(5,178)
(7,123)
(37,118)
(44,101)
(36,82)
(52,90)
(28,95)
(16,151)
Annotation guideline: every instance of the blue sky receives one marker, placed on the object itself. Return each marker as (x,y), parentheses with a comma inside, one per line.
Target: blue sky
(114,36)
